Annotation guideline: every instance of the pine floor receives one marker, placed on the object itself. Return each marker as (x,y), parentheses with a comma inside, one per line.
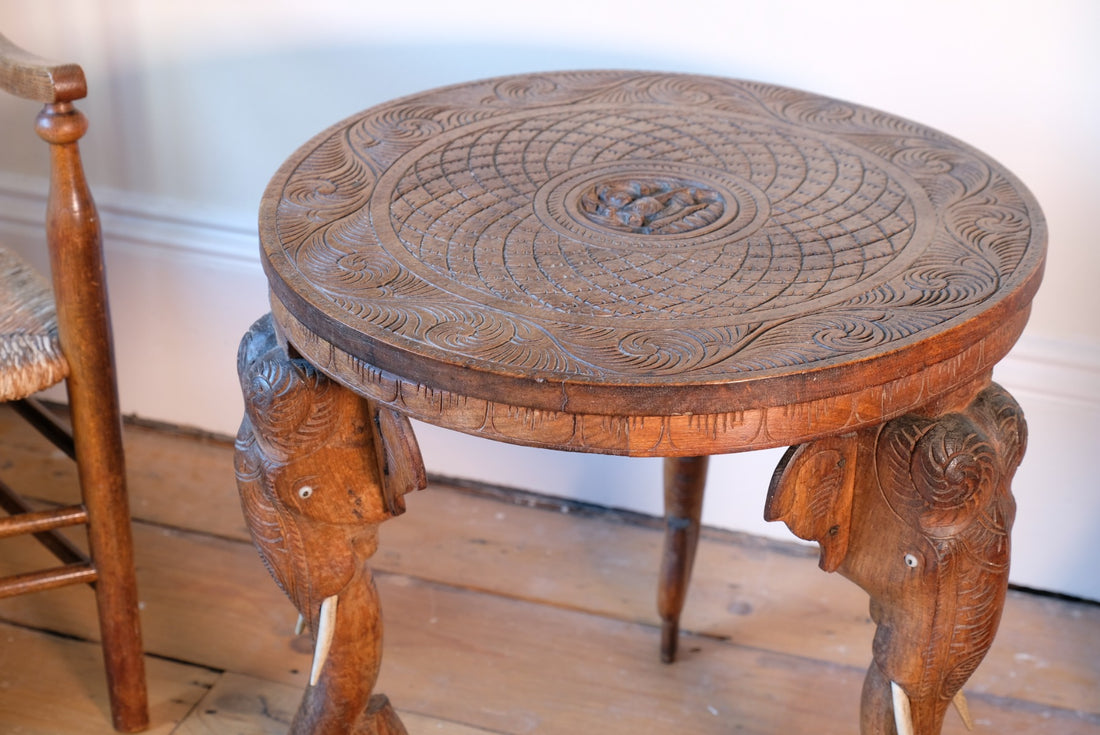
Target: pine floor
(503,615)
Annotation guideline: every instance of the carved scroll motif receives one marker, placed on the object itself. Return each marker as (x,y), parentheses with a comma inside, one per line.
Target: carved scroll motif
(922,524)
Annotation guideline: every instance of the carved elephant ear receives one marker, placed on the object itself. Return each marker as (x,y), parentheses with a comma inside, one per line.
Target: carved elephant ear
(812,490)
(998,411)
(398,454)
(936,475)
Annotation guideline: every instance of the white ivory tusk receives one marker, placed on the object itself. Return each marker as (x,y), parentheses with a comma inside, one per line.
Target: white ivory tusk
(300,625)
(326,627)
(903,713)
(964,709)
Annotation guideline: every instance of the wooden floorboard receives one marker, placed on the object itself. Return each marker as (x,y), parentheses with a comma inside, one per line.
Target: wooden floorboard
(245,705)
(502,618)
(50,685)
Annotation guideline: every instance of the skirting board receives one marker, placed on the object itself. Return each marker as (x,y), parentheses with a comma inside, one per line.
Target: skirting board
(185,286)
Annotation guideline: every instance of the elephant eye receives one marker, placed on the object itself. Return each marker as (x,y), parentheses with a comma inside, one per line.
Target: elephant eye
(306,485)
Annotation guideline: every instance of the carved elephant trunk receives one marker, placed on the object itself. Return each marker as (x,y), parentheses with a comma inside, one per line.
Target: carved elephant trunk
(318,469)
(918,513)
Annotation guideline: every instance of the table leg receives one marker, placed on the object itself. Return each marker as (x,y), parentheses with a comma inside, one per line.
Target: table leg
(918,513)
(684,478)
(318,469)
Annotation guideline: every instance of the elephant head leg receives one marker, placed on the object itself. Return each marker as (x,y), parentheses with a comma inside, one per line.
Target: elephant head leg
(319,468)
(917,513)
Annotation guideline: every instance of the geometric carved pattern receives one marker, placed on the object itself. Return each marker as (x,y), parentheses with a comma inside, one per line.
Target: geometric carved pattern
(615,227)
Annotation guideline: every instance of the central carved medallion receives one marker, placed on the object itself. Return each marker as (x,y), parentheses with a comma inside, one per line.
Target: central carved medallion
(651,206)
(669,204)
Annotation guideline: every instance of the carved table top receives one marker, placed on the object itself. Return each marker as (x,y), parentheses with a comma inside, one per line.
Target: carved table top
(647,264)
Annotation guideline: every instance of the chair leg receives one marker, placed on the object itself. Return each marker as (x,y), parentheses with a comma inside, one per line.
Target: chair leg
(119,625)
(685,478)
(110,540)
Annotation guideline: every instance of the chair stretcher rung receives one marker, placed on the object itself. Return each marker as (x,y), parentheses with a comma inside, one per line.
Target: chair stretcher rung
(48,579)
(65,551)
(42,520)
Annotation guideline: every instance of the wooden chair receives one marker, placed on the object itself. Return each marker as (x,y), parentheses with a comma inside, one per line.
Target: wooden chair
(65,335)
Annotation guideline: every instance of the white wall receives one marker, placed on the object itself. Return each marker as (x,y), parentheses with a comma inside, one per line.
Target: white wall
(194,105)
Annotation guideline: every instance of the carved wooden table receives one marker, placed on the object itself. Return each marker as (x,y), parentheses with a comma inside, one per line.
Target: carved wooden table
(647,265)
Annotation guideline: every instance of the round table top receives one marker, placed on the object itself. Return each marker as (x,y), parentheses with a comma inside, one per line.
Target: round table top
(641,246)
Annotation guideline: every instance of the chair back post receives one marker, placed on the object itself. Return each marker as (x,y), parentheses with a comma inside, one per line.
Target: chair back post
(79,281)
(84,330)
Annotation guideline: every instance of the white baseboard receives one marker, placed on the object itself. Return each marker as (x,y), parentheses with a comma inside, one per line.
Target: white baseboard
(186,284)
(135,219)
(1055,369)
